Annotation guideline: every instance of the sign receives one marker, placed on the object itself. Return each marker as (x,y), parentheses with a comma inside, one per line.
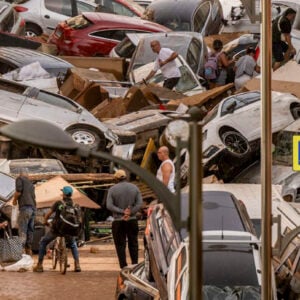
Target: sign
(296,152)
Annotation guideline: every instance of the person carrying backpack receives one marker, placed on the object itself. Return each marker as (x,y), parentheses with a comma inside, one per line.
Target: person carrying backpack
(64,212)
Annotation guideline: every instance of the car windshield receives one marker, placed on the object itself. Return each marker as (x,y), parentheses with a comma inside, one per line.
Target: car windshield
(236,102)
(229,265)
(7,187)
(283,153)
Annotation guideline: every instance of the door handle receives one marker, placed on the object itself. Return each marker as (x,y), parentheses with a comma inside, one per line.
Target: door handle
(46,16)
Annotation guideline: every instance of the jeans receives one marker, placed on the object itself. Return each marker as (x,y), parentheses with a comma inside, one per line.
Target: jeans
(49,237)
(122,230)
(26,225)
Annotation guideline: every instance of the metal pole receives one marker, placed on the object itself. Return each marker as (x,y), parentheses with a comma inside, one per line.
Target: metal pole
(195,224)
(266,146)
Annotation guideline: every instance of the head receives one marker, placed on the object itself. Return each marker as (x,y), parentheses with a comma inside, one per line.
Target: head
(217,45)
(120,175)
(67,191)
(251,51)
(290,14)
(163,153)
(155,46)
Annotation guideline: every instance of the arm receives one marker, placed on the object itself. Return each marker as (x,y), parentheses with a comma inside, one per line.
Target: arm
(137,204)
(47,216)
(225,62)
(166,173)
(16,197)
(170,58)
(110,204)
(150,75)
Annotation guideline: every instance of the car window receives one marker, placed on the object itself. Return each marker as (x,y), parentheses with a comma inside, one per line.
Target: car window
(193,55)
(200,16)
(187,81)
(56,100)
(120,9)
(238,101)
(114,34)
(7,186)
(62,7)
(125,48)
(284,147)
(83,7)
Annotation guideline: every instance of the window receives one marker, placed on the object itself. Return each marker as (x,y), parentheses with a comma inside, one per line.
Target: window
(193,55)
(61,7)
(114,34)
(201,16)
(82,7)
(125,48)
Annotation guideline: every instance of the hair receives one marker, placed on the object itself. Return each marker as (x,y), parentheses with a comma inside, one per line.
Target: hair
(217,45)
(289,11)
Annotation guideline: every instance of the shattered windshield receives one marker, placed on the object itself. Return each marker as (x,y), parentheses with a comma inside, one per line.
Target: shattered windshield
(283,153)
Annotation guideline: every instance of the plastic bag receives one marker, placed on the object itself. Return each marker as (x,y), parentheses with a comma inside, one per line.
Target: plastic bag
(24,264)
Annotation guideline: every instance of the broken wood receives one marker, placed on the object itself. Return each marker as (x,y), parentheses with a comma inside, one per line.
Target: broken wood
(98,177)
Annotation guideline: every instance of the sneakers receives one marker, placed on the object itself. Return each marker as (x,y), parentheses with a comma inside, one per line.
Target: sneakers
(77,266)
(38,268)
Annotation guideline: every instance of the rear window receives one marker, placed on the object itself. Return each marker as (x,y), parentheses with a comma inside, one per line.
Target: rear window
(78,22)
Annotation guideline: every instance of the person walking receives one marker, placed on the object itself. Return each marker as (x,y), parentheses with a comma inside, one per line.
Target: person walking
(54,232)
(245,68)
(124,200)
(166,170)
(24,196)
(165,61)
(282,46)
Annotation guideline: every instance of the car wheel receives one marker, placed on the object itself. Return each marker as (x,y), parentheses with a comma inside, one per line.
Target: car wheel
(87,137)
(148,271)
(32,30)
(235,143)
(296,112)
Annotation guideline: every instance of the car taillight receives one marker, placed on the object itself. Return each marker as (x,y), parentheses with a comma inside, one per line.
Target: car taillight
(22,23)
(20,8)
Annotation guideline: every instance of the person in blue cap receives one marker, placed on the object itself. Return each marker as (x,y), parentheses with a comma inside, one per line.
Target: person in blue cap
(67,192)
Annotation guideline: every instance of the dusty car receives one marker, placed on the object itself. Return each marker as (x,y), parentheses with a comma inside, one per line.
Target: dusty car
(10,19)
(225,124)
(190,45)
(120,7)
(203,16)
(20,102)
(7,188)
(95,34)
(42,16)
(12,58)
(188,83)
(132,283)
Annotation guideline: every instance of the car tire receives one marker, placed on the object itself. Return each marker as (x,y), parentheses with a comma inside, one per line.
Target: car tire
(148,271)
(235,143)
(88,137)
(295,111)
(32,30)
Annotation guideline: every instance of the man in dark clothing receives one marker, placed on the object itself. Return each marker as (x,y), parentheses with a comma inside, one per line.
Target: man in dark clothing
(25,198)
(281,38)
(54,232)
(124,200)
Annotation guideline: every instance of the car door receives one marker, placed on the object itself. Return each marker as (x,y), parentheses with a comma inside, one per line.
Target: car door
(56,11)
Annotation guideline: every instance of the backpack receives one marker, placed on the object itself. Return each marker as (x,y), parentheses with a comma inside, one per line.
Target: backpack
(211,67)
(69,219)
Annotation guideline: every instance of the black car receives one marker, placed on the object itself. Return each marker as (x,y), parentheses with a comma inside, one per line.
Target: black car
(203,16)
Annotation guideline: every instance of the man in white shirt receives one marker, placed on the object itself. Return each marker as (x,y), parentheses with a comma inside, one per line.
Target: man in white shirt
(165,61)
(166,171)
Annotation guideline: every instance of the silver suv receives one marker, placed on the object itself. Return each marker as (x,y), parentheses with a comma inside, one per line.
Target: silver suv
(42,16)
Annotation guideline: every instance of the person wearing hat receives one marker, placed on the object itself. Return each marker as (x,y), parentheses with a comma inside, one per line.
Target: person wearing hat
(124,200)
(67,192)
(245,68)
(25,198)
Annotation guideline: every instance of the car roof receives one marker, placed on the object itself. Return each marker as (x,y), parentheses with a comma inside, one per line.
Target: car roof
(21,57)
(221,212)
(112,20)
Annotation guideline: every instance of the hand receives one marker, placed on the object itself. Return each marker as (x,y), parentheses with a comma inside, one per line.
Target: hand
(161,63)
(3,224)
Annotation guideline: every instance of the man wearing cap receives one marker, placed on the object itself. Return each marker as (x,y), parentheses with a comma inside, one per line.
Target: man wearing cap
(124,200)
(25,197)
(67,192)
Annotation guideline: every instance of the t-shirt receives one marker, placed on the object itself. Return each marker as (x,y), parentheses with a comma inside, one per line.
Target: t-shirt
(283,27)
(159,175)
(26,188)
(245,65)
(169,70)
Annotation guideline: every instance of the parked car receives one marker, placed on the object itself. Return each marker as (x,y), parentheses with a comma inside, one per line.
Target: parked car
(95,34)
(203,16)
(10,19)
(121,7)
(225,124)
(132,284)
(12,58)
(190,45)
(7,188)
(188,83)
(42,16)
(21,102)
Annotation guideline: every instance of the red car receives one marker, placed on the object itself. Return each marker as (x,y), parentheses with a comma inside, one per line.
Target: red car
(95,34)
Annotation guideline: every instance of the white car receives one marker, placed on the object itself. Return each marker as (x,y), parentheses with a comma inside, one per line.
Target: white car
(188,83)
(235,121)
